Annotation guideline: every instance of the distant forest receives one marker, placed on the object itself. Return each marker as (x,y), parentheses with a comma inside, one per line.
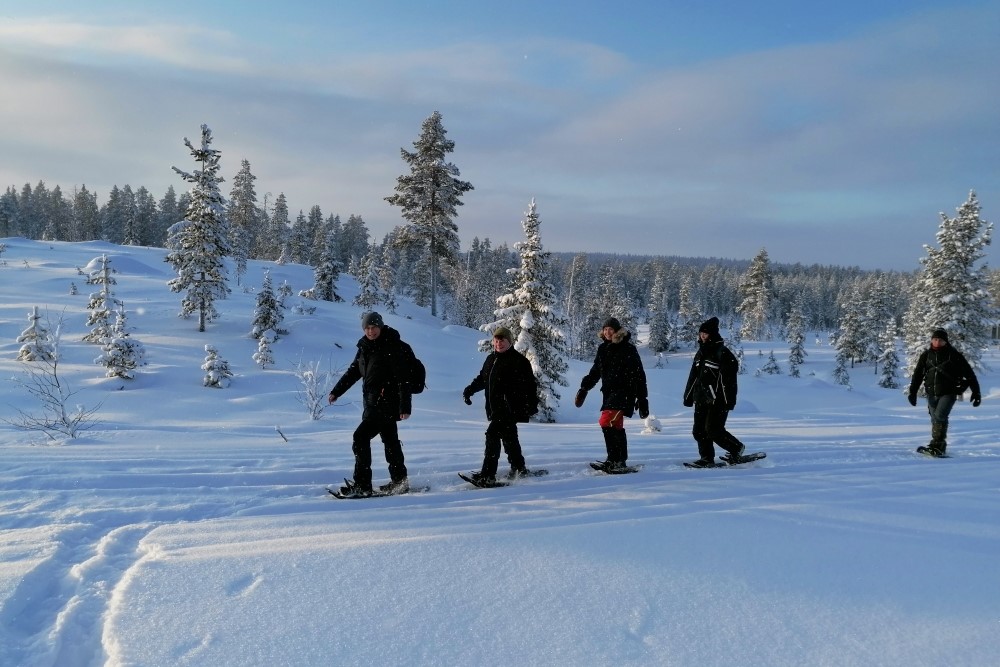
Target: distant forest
(687,290)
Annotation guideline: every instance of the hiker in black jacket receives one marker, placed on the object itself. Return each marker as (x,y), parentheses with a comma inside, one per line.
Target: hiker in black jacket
(511,397)
(711,389)
(382,363)
(623,389)
(945,374)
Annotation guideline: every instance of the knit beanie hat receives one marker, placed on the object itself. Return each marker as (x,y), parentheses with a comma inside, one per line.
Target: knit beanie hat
(372,319)
(710,327)
(940,333)
(504,332)
(613,323)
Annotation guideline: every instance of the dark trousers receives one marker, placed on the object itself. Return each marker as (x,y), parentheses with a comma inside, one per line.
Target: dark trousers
(385,427)
(710,429)
(939,407)
(502,433)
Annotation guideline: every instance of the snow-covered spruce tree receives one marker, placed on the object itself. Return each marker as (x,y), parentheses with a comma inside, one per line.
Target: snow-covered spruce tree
(101,302)
(243,217)
(275,243)
(121,354)
(771,367)
(36,343)
(889,357)
(327,271)
(267,315)
(386,279)
(659,319)
(952,290)
(796,334)
(840,374)
(428,198)
(217,371)
(263,356)
(689,316)
(198,244)
(529,313)
(853,335)
(369,291)
(755,292)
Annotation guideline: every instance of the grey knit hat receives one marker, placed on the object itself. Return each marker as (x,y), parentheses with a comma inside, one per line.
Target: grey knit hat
(372,319)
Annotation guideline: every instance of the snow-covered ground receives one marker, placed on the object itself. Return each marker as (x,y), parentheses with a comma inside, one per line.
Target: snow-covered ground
(183,530)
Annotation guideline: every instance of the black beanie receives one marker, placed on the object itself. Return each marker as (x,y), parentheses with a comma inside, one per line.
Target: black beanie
(710,327)
(613,323)
(372,319)
(940,333)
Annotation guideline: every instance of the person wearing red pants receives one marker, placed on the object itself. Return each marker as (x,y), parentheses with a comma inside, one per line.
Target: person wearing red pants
(623,386)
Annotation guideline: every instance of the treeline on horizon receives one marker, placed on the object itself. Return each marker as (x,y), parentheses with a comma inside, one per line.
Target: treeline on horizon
(691,287)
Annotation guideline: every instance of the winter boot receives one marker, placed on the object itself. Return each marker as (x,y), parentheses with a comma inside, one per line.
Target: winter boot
(395,488)
(939,438)
(610,444)
(621,447)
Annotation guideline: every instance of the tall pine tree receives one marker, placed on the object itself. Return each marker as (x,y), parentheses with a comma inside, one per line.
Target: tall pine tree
(198,244)
(429,196)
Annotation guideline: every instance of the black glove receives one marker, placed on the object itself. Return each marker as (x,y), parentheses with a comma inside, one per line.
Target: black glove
(912,398)
(731,406)
(976,400)
(688,402)
(581,396)
(467,396)
(642,405)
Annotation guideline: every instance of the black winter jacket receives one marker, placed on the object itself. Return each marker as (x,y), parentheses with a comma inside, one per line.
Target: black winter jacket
(511,388)
(943,372)
(712,380)
(619,368)
(381,364)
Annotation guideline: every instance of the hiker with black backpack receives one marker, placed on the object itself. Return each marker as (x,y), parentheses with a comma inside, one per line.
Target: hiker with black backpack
(384,364)
(711,391)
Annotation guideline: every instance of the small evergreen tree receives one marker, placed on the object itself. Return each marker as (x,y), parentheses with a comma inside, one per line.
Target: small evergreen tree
(771,367)
(327,271)
(796,338)
(267,315)
(369,290)
(217,371)
(840,374)
(121,353)
(263,356)
(101,302)
(755,290)
(36,344)
(889,357)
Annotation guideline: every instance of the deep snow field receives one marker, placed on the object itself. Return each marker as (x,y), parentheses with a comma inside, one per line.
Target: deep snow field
(182,529)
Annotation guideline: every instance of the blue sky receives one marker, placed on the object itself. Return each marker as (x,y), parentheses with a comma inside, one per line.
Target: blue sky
(824,132)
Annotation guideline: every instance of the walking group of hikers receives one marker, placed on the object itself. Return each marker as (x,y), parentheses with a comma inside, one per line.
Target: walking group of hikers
(383,363)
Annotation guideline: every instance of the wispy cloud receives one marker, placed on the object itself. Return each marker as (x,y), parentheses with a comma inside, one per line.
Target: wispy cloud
(192,47)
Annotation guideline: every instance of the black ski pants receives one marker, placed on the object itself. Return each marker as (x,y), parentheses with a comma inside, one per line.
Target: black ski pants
(710,429)
(502,432)
(385,427)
